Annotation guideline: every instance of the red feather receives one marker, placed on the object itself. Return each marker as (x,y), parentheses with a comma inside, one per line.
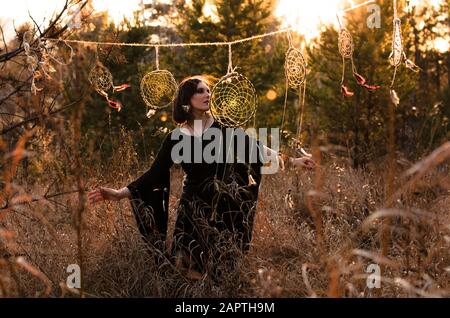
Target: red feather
(359,78)
(115,104)
(121,87)
(346,92)
(371,87)
(363,82)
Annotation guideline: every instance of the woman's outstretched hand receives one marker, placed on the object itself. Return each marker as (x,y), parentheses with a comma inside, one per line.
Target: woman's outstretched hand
(107,194)
(303,162)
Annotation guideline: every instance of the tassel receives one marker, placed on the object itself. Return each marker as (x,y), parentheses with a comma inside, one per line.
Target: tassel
(103,93)
(413,67)
(151,112)
(251,181)
(346,92)
(394,98)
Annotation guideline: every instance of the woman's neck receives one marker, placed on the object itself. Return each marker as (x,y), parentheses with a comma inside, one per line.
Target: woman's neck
(196,129)
(203,116)
(200,115)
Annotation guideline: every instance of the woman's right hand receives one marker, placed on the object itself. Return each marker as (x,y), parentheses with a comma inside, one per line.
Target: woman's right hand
(104,194)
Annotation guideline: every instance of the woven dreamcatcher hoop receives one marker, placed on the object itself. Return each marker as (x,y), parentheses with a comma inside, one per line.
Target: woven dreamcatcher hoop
(398,54)
(346,49)
(233,98)
(294,66)
(346,45)
(102,81)
(100,78)
(397,43)
(158,88)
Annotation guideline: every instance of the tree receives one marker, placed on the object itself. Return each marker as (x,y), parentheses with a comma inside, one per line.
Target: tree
(360,122)
(260,60)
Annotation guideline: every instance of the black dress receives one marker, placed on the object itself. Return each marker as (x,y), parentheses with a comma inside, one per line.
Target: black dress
(217,205)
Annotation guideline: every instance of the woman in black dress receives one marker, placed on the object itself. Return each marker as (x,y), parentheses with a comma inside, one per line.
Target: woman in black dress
(218,202)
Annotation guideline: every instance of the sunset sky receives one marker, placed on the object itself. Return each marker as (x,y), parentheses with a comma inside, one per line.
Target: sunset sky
(304,15)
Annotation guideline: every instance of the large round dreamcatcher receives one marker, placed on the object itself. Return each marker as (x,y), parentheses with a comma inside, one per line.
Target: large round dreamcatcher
(158,88)
(346,49)
(233,101)
(233,98)
(398,55)
(102,81)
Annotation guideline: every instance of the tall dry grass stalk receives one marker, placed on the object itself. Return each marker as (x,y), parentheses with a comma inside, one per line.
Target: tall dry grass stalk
(315,232)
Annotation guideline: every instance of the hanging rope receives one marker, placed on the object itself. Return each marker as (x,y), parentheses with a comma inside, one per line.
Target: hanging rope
(173,44)
(157,57)
(230,60)
(259,36)
(395,9)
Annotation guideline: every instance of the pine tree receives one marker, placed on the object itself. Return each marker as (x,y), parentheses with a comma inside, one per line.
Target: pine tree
(260,60)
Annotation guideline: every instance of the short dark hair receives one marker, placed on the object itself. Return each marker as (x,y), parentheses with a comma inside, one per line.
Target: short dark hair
(186,89)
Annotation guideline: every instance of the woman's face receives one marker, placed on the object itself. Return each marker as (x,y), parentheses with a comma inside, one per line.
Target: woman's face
(200,99)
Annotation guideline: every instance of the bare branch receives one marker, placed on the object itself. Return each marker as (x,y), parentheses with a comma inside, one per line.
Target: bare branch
(14,92)
(34,118)
(47,33)
(13,115)
(4,40)
(36,198)
(35,23)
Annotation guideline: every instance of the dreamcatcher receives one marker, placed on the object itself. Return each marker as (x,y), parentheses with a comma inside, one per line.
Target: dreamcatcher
(158,88)
(233,98)
(346,49)
(102,81)
(39,58)
(295,68)
(233,101)
(398,54)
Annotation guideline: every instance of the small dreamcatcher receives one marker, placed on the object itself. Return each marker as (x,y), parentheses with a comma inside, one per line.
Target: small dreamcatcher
(158,88)
(398,55)
(39,58)
(295,68)
(102,81)
(346,49)
(233,98)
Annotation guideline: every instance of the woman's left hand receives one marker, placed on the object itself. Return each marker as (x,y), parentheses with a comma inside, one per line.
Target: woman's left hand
(303,162)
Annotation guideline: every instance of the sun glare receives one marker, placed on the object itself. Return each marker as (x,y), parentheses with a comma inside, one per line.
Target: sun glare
(442,45)
(118,9)
(306,16)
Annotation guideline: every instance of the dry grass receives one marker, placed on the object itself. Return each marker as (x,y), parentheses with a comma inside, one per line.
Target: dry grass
(317,242)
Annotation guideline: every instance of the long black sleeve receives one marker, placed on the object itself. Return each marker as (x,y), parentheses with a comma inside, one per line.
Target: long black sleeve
(150,196)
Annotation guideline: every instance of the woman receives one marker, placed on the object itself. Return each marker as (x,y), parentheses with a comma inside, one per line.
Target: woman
(218,202)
